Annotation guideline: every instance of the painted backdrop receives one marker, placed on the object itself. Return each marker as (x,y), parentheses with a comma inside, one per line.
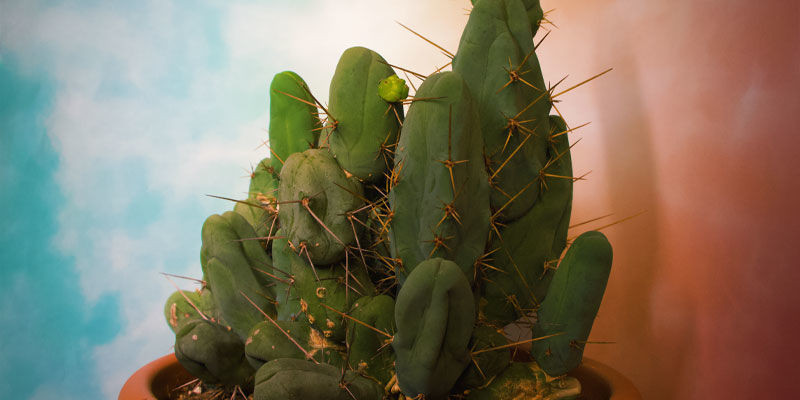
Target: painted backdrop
(116,118)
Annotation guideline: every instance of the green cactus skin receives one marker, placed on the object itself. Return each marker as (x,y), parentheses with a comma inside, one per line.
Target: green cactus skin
(229,264)
(213,353)
(572,303)
(292,379)
(436,215)
(434,313)
(301,293)
(293,125)
(178,311)
(261,210)
(498,33)
(229,287)
(335,289)
(393,89)
(527,381)
(527,246)
(314,178)
(535,13)
(369,353)
(486,365)
(266,343)
(364,121)
(230,238)
(285,260)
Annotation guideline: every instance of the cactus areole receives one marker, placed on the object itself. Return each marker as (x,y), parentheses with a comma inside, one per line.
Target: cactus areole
(388,238)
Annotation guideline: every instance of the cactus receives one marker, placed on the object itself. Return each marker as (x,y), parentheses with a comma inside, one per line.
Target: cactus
(440,199)
(435,313)
(380,253)
(361,121)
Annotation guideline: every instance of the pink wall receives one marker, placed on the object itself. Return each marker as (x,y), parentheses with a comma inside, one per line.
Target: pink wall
(699,125)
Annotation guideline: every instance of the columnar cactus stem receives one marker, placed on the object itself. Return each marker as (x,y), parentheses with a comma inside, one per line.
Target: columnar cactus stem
(380,256)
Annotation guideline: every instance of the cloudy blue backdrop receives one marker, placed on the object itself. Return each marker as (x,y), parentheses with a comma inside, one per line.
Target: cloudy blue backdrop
(116,118)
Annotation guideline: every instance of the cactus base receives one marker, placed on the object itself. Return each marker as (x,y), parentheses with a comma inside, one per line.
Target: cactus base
(156,380)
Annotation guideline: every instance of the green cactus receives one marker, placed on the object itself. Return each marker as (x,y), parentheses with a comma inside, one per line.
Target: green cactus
(435,313)
(292,379)
(293,123)
(271,340)
(180,307)
(572,303)
(529,247)
(489,358)
(440,199)
(386,254)
(362,122)
(317,197)
(213,353)
(496,58)
(260,208)
(368,350)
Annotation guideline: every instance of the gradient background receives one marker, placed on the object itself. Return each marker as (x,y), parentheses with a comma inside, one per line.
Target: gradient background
(117,117)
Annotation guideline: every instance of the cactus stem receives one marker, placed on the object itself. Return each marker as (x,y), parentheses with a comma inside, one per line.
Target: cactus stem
(358,321)
(521,277)
(515,74)
(497,213)
(449,211)
(438,241)
(303,248)
(497,171)
(305,202)
(185,297)
(288,336)
(447,53)
(579,84)
(514,344)
(449,163)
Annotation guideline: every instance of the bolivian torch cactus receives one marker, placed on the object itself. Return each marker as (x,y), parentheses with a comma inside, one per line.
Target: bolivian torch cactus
(388,239)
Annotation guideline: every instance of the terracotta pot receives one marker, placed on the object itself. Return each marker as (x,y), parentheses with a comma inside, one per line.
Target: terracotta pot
(154,380)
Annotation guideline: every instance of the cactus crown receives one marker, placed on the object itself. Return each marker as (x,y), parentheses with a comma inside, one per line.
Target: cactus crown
(379,254)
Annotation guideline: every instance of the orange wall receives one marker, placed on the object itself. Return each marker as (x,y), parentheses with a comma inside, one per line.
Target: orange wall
(699,125)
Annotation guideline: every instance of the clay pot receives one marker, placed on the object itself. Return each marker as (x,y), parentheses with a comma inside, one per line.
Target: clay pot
(155,380)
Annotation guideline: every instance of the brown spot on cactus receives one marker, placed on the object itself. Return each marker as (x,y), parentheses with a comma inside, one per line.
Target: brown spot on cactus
(321,291)
(173,319)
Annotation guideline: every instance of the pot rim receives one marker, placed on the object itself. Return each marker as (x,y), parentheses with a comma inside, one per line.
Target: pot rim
(155,376)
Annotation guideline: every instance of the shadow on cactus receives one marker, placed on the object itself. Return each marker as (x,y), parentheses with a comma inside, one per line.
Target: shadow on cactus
(388,238)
